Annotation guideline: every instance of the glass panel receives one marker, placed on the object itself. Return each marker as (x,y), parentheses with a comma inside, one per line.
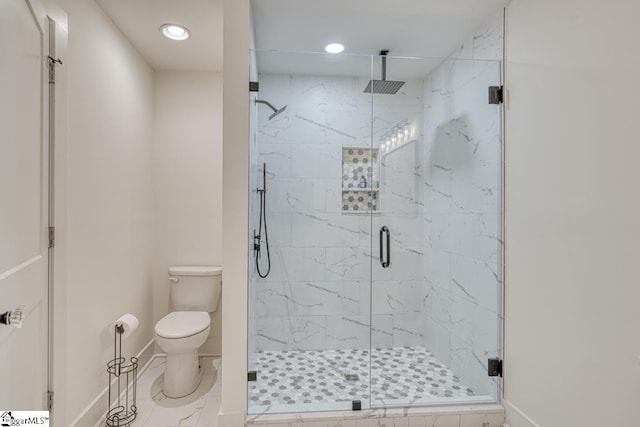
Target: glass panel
(435,311)
(310,316)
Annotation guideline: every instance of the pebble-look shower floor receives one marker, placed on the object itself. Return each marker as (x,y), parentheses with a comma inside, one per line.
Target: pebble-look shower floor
(401,374)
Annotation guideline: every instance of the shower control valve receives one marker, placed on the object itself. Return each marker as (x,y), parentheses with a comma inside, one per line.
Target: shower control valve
(256,241)
(13,317)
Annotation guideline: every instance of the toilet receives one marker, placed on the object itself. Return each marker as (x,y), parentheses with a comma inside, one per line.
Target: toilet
(194,293)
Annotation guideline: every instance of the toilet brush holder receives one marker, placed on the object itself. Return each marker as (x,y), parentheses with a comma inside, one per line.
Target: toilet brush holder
(123,378)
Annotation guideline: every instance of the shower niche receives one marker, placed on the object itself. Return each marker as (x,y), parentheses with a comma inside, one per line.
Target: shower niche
(360,180)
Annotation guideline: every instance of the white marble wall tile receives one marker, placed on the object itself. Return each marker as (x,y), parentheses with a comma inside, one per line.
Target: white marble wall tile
(475,281)
(291,333)
(333,195)
(347,264)
(437,268)
(275,131)
(325,230)
(407,330)
(316,160)
(486,241)
(278,228)
(295,264)
(278,160)
(396,297)
(297,195)
(407,99)
(382,331)
(460,234)
(438,341)
(271,299)
(349,128)
(348,332)
(406,263)
(342,93)
(326,298)
(488,43)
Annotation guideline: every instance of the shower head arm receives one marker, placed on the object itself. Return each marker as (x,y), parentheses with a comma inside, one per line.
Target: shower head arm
(383,54)
(268,104)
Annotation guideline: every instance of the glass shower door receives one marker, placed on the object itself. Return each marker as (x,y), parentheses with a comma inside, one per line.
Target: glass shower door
(435,290)
(311,175)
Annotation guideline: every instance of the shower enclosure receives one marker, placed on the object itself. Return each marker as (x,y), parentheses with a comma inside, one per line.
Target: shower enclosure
(383,215)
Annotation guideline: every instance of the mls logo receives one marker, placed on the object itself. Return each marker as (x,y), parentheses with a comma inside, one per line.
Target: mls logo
(6,418)
(24,418)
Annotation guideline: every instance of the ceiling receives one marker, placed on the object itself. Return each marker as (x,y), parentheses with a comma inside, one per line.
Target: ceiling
(139,21)
(424,28)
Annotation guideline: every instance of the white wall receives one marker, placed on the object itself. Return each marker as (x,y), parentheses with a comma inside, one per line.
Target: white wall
(187,164)
(572,208)
(235,211)
(109,193)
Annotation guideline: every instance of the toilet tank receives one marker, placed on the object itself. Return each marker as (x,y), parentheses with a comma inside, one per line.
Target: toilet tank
(195,288)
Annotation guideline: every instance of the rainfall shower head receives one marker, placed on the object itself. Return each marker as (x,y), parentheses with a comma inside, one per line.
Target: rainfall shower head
(384,86)
(275,110)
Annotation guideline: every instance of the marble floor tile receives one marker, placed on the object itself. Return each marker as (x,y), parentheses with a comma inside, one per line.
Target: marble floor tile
(199,409)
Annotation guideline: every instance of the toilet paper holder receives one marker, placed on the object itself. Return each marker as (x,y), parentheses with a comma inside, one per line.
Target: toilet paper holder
(123,379)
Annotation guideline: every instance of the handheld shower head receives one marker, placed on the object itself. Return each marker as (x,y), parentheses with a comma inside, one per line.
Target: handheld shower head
(275,110)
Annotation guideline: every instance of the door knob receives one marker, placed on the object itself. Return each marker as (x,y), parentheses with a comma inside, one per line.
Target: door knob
(13,318)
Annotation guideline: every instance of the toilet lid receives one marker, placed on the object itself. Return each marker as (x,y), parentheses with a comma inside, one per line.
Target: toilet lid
(182,324)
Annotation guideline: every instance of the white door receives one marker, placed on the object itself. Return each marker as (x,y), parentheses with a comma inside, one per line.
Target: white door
(23,204)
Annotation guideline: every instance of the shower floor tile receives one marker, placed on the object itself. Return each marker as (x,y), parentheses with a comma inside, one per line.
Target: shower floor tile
(331,376)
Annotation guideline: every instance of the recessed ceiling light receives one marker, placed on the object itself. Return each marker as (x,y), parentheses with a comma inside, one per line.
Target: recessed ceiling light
(334,48)
(175,31)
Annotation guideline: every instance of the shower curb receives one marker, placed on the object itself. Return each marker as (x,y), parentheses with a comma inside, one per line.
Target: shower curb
(454,416)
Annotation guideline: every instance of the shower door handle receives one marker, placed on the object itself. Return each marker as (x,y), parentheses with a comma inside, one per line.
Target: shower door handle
(385,263)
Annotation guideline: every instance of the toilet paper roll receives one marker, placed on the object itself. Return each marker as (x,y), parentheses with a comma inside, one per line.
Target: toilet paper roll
(128,321)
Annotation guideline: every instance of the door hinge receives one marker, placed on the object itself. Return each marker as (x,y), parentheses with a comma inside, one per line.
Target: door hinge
(252,376)
(52,237)
(254,86)
(496,94)
(50,400)
(494,367)
(52,68)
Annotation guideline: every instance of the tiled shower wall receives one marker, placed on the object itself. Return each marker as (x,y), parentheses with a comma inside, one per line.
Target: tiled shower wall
(462,166)
(318,293)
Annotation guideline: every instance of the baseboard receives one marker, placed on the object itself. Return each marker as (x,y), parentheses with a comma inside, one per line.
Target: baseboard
(515,417)
(97,409)
(199,355)
(231,419)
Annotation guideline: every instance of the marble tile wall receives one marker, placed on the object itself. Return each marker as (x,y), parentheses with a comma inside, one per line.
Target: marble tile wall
(461,177)
(318,295)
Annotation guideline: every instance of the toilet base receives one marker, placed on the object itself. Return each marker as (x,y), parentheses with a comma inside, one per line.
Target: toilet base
(182,375)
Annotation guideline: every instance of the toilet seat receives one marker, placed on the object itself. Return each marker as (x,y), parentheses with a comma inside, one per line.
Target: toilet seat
(182,324)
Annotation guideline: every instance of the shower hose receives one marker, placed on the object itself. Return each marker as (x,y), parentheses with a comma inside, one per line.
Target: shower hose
(258,237)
